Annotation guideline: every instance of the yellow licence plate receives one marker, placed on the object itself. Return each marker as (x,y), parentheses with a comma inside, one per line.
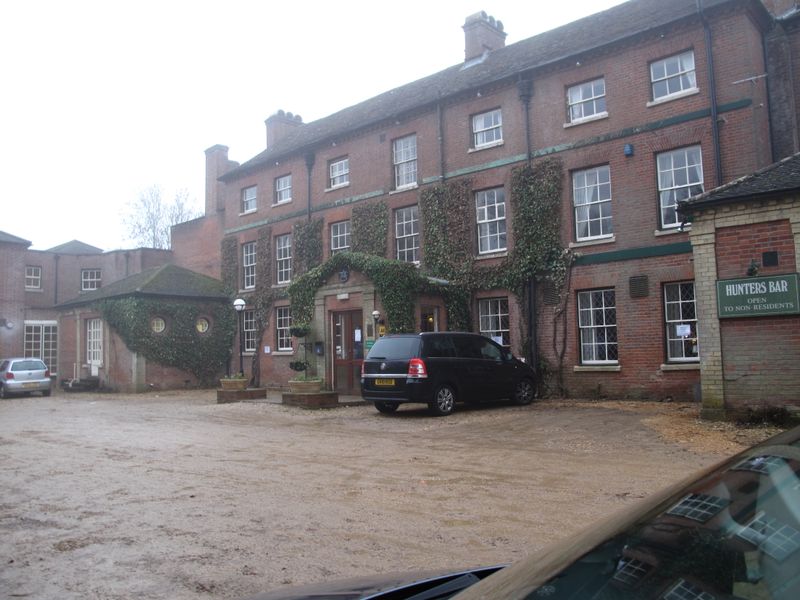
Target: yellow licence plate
(32,384)
(384,382)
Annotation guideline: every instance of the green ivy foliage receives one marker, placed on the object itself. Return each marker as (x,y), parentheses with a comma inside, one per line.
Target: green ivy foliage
(179,345)
(370,228)
(230,264)
(396,282)
(307,242)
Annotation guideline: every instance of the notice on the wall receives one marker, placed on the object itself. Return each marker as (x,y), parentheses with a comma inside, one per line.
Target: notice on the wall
(758,296)
(357,335)
(267,349)
(683,330)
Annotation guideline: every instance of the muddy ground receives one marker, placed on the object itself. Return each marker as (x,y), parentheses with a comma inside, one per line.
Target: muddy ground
(175,496)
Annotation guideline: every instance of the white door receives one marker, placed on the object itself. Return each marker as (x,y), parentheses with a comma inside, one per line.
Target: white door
(94,345)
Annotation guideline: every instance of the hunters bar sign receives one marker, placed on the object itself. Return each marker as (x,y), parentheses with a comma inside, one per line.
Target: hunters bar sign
(758,296)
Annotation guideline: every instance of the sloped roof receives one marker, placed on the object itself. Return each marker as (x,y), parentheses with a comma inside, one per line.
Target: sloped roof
(75,247)
(12,239)
(777,179)
(164,281)
(574,39)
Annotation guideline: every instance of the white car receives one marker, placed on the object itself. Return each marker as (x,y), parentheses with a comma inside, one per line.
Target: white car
(24,376)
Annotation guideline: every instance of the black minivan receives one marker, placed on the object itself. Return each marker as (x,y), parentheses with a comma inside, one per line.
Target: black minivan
(440,369)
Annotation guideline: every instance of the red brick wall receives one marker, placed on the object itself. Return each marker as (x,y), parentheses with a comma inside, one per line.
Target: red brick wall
(761,355)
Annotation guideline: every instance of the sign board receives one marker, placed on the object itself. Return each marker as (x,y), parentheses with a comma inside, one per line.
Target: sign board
(369,344)
(758,296)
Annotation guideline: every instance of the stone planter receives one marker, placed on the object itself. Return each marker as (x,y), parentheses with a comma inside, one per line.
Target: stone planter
(233,384)
(305,387)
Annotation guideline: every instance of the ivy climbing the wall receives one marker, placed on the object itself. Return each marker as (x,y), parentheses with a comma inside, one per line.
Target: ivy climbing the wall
(370,228)
(180,345)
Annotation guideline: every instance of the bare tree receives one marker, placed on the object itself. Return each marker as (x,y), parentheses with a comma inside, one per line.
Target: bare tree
(149,218)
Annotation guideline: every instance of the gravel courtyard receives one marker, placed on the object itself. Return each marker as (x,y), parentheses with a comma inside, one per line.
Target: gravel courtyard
(175,496)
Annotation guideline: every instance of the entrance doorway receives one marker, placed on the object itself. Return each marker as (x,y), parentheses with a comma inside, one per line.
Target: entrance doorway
(348,351)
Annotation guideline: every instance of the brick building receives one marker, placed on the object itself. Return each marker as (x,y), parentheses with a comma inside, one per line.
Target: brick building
(642,105)
(35,282)
(746,240)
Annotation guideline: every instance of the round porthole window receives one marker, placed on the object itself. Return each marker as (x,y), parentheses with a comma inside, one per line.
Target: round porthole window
(158,325)
(201,325)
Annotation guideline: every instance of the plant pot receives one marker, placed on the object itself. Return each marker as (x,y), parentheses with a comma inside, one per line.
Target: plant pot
(312,386)
(233,384)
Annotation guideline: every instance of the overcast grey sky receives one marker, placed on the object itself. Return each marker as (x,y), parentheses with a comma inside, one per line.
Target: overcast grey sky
(101,99)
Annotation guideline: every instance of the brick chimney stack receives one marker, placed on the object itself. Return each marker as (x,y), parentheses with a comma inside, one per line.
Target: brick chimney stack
(279,125)
(482,33)
(217,164)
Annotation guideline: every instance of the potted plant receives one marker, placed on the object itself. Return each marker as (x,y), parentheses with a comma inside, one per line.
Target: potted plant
(303,382)
(237,381)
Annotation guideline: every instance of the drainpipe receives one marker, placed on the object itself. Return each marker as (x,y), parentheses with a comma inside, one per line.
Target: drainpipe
(309,167)
(525,90)
(55,281)
(440,116)
(713,92)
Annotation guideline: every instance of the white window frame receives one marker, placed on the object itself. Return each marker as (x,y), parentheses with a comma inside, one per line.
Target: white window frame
(41,341)
(249,265)
(404,159)
(91,279)
(94,341)
(487,129)
(587,101)
(340,236)
(406,234)
(33,277)
(339,173)
(591,197)
(283,189)
(597,323)
(494,320)
(699,507)
(680,176)
(490,206)
(283,257)
(283,323)
(680,311)
(249,330)
(673,76)
(249,199)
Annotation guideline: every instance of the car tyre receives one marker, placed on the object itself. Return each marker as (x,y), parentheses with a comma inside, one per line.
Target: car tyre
(3,392)
(46,392)
(443,401)
(523,392)
(387,407)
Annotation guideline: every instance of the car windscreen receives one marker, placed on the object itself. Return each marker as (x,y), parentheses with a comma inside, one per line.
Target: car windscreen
(735,533)
(401,348)
(28,365)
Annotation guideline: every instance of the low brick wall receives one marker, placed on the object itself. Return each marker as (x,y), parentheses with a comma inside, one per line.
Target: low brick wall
(226,396)
(313,400)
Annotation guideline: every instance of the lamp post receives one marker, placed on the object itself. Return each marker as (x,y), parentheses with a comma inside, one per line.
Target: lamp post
(376,314)
(238,304)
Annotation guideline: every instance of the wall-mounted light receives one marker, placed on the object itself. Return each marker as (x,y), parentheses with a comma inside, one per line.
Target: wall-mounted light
(752,270)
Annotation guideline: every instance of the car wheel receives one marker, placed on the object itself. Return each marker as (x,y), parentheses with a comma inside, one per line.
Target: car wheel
(386,407)
(3,392)
(46,392)
(443,402)
(523,392)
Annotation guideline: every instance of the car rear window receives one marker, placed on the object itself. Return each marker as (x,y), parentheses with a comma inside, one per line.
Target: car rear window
(28,365)
(394,348)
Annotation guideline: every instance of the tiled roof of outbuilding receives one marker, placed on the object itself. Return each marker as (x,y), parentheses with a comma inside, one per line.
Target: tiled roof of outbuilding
(12,239)
(779,178)
(165,281)
(607,27)
(75,247)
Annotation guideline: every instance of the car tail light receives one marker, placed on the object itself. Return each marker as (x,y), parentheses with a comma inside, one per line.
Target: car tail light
(9,375)
(416,369)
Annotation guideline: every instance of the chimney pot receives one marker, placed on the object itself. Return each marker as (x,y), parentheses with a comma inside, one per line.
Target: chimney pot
(482,33)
